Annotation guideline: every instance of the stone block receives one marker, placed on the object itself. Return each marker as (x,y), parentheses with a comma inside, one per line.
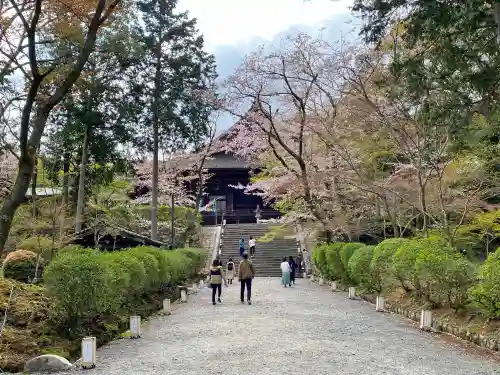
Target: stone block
(201,284)
(321,281)
(379,304)
(426,320)
(195,288)
(184,297)
(47,363)
(352,292)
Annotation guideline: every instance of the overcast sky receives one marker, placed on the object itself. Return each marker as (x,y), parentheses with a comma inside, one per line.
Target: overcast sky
(233,28)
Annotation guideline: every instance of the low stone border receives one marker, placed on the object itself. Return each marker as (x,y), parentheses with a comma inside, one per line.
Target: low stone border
(438,325)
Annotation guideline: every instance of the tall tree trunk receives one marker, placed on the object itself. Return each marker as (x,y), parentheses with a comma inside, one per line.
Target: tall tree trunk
(34,178)
(65,194)
(156,137)
(423,205)
(172,220)
(80,205)
(25,169)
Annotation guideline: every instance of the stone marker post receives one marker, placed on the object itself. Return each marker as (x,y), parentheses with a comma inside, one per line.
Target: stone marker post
(379,306)
(135,326)
(333,284)
(167,306)
(89,346)
(426,320)
(352,292)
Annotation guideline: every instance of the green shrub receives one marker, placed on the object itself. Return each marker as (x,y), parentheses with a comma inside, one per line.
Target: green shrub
(486,293)
(444,276)
(41,245)
(335,268)
(319,259)
(117,267)
(403,264)
(21,265)
(180,266)
(435,241)
(381,264)
(359,268)
(197,256)
(346,253)
(86,283)
(164,275)
(79,284)
(151,266)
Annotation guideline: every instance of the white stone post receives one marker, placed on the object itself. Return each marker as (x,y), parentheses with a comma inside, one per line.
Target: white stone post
(184,297)
(426,320)
(195,288)
(379,306)
(321,281)
(333,284)
(352,292)
(167,306)
(88,352)
(135,326)
(201,284)
(312,278)
(304,275)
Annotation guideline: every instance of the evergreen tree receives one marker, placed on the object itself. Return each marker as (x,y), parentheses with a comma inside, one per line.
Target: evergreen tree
(175,71)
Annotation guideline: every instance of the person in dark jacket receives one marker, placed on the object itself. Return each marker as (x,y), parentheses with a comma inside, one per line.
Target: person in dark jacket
(293,269)
(216,279)
(246,273)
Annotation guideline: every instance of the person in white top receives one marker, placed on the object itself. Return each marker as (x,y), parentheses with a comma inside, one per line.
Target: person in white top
(251,245)
(285,273)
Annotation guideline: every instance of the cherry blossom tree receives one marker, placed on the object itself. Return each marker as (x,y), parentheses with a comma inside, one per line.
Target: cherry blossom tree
(287,89)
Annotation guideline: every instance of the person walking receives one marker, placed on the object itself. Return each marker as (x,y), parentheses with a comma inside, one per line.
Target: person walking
(216,278)
(293,269)
(300,260)
(242,246)
(230,271)
(246,273)
(251,245)
(285,273)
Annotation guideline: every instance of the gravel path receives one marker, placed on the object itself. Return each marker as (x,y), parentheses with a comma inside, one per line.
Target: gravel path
(303,330)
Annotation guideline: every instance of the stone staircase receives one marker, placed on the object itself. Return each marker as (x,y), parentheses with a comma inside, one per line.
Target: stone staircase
(268,255)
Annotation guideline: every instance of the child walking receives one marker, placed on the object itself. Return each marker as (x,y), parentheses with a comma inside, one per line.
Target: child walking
(216,278)
(230,271)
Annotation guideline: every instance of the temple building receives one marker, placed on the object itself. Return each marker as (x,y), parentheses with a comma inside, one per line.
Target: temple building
(230,203)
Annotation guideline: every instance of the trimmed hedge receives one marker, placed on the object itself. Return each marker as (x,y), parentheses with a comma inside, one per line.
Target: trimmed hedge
(426,267)
(359,268)
(86,283)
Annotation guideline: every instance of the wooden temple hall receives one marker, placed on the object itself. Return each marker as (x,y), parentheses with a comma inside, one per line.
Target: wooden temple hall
(230,203)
